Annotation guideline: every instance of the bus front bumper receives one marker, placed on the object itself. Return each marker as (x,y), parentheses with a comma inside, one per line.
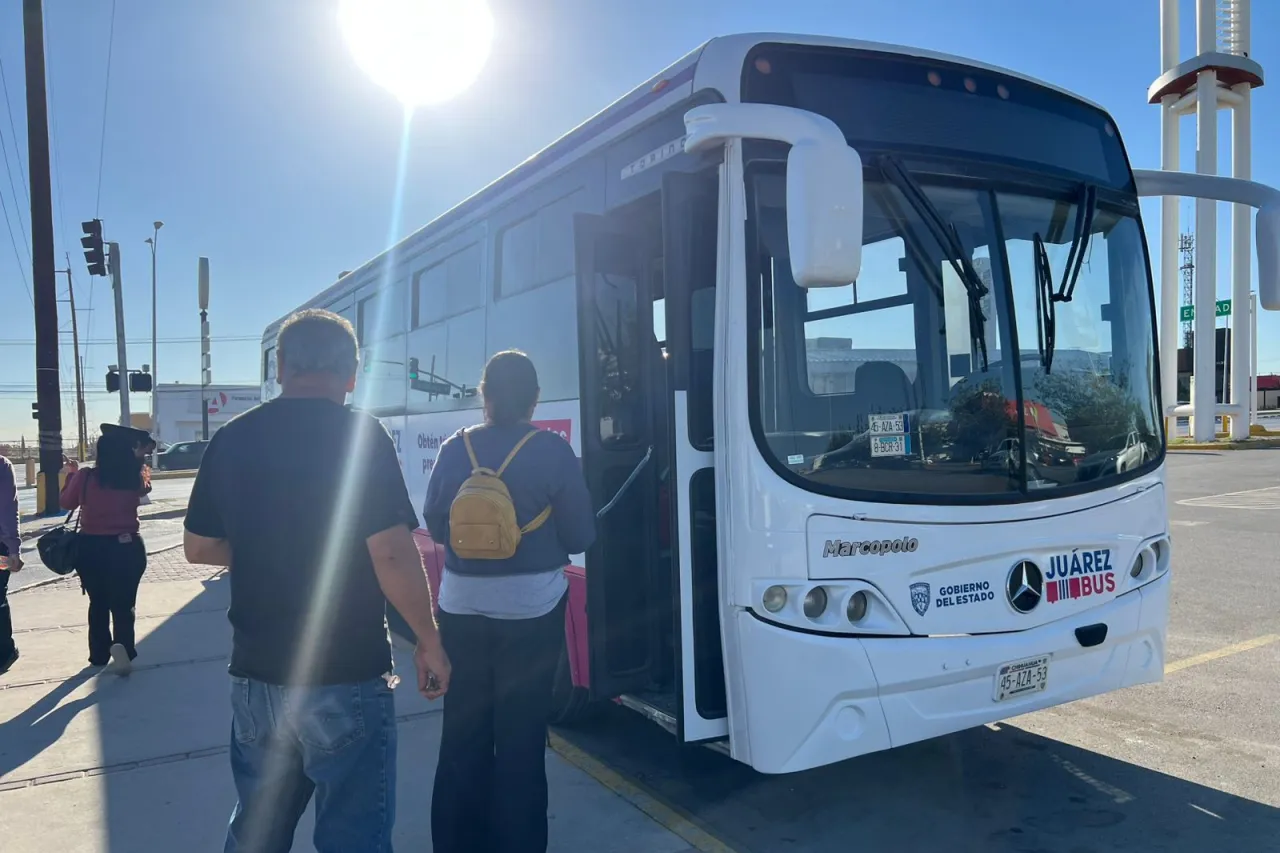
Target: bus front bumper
(809,700)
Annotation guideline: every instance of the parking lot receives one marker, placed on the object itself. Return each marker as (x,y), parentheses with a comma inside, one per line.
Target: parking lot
(1192,764)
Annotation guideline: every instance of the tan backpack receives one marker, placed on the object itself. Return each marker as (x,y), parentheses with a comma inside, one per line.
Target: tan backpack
(482,518)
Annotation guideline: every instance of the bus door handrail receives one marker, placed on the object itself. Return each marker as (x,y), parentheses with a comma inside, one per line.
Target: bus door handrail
(626,484)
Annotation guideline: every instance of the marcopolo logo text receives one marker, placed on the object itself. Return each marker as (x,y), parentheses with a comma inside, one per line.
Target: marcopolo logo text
(880,547)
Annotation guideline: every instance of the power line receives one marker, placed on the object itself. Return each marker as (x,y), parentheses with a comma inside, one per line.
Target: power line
(106,92)
(17,256)
(9,108)
(141,341)
(4,149)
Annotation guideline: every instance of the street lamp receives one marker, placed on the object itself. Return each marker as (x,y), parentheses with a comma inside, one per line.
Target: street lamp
(153,241)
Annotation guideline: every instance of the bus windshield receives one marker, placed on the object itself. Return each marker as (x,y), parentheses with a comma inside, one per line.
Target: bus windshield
(985,375)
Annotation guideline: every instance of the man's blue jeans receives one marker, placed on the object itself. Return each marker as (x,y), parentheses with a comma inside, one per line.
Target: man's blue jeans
(337,742)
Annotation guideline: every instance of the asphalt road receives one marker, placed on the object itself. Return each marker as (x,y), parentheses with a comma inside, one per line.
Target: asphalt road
(1192,764)
(161,490)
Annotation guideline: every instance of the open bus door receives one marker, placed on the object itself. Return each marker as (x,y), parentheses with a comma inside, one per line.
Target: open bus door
(615,316)
(690,203)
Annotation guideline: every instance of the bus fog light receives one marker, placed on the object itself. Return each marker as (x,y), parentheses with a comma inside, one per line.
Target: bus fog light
(775,598)
(857,608)
(815,602)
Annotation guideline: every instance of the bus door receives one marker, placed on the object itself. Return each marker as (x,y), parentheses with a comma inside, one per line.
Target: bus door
(690,204)
(615,324)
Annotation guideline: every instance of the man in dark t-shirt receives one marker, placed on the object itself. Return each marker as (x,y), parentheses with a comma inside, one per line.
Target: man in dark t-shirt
(304,501)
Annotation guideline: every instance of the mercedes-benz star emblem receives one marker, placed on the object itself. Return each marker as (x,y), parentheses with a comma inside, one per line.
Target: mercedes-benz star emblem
(1025,586)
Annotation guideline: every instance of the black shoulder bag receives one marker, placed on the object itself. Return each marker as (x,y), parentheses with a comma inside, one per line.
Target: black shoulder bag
(60,547)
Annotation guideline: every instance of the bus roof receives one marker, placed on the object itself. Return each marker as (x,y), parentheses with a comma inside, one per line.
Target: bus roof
(715,65)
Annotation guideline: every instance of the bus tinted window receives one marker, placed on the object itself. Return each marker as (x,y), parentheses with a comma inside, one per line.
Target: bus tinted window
(448,287)
(882,101)
(539,248)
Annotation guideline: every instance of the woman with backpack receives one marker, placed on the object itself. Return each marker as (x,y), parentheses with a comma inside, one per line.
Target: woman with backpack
(110,555)
(510,502)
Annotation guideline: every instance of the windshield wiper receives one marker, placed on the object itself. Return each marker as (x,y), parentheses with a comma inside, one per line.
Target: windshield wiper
(948,238)
(1047,298)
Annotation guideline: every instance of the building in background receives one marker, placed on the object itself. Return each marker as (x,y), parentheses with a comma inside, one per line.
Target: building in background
(178,416)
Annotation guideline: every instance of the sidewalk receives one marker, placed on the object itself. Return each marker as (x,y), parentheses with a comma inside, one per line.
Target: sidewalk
(93,763)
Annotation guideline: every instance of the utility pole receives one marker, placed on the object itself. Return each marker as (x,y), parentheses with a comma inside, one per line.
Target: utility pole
(48,390)
(75,342)
(118,291)
(206,374)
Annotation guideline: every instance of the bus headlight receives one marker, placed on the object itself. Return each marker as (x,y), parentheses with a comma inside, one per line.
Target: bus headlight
(857,608)
(815,602)
(775,598)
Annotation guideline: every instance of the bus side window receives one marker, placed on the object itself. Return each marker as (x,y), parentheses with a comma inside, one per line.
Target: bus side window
(702,319)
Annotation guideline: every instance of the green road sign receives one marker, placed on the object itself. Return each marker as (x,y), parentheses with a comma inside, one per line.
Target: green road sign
(1221,308)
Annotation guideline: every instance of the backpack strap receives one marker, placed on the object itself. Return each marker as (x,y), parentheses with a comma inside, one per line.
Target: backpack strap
(476,468)
(512,455)
(538,520)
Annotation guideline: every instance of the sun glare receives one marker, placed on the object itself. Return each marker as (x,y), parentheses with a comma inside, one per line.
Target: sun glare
(422,51)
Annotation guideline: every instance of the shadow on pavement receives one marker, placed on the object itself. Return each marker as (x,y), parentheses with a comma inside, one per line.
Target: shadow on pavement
(1001,791)
(31,732)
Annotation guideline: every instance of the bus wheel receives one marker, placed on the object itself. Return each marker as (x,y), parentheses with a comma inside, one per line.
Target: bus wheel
(570,704)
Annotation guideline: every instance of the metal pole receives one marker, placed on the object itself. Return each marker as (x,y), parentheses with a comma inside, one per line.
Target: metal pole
(206,374)
(118,291)
(155,423)
(1253,360)
(75,343)
(1204,401)
(45,296)
(1241,167)
(1169,299)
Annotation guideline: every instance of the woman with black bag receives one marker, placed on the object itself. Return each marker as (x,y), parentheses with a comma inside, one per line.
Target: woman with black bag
(110,556)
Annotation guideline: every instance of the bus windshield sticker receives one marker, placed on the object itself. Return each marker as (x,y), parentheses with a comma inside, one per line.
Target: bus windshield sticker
(895,424)
(795,459)
(890,445)
(665,152)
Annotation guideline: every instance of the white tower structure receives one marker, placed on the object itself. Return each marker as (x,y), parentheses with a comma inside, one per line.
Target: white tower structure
(1220,76)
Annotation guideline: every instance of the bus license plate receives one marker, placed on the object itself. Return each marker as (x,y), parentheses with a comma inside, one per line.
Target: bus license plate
(1021,677)
(890,445)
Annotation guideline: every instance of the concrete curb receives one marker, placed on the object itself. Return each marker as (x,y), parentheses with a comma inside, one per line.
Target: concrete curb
(28,535)
(1247,444)
(61,578)
(173,475)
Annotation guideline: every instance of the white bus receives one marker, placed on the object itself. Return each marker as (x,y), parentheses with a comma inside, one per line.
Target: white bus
(857,346)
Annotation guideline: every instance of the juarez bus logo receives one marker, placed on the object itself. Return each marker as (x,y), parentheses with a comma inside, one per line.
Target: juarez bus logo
(878,547)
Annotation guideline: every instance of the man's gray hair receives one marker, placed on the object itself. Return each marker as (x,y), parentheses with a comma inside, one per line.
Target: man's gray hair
(317,341)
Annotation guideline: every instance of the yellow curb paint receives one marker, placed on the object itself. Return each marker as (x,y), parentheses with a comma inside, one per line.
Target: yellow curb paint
(1225,651)
(665,815)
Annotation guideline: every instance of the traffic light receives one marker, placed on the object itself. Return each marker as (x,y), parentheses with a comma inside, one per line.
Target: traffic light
(413,369)
(94,254)
(35,411)
(113,381)
(140,382)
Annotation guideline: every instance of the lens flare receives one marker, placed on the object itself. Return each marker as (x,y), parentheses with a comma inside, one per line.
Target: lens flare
(422,51)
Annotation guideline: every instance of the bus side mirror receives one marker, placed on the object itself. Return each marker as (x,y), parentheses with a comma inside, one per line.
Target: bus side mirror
(824,183)
(1158,182)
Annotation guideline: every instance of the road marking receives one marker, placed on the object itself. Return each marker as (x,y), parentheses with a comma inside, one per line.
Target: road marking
(1180,523)
(1267,497)
(1119,796)
(1225,651)
(667,816)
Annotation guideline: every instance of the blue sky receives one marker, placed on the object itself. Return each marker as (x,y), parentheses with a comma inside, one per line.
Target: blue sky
(246,127)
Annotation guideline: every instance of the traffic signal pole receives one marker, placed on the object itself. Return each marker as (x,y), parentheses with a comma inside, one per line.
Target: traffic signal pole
(118,292)
(48,389)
